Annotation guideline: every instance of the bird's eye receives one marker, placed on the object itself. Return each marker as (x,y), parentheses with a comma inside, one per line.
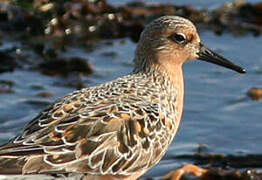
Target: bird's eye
(178,37)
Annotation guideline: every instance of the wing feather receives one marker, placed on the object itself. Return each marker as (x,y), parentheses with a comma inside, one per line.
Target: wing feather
(92,131)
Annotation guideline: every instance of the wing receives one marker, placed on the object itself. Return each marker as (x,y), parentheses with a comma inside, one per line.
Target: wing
(93,132)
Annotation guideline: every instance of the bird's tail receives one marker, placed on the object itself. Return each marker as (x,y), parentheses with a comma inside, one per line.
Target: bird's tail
(11,165)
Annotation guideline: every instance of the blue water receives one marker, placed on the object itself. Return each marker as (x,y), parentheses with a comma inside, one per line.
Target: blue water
(196,4)
(217,111)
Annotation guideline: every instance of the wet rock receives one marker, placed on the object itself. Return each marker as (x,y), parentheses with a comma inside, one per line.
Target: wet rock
(6,86)
(20,18)
(238,18)
(109,54)
(222,174)
(65,66)
(37,87)
(37,104)
(98,19)
(8,62)
(251,13)
(212,173)
(50,53)
(75,81)
(221,166)
(44,94)
(225,161)
(255,93)
(202,148)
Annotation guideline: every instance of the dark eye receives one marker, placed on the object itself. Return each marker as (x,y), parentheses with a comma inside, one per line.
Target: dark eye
(178,37)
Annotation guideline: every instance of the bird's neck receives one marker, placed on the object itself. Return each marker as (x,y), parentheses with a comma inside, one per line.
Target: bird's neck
(172,81)
(170,76)
(176,78)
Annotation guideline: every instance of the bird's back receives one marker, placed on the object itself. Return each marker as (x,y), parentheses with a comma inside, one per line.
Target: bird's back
(115,128)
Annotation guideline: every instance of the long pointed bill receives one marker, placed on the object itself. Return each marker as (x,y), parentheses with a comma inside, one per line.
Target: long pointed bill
(208,55)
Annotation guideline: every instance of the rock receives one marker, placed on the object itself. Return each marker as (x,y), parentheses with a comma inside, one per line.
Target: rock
(255,93)
(44,94)
(6,86)
(65,66)
(8,62)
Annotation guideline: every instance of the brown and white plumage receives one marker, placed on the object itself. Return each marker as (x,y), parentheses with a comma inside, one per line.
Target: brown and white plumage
(118,129)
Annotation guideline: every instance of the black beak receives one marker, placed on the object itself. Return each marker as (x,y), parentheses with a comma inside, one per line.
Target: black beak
(208,55)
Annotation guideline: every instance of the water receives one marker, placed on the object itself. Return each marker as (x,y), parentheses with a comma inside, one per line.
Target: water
(196,4)
(217,111)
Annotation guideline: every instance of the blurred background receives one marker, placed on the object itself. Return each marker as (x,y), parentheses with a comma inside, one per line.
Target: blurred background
(50,48)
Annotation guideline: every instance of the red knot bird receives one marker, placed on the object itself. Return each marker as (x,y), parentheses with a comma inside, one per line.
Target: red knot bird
(119,129)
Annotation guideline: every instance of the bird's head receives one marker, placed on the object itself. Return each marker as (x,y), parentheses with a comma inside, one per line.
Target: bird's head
(169,41)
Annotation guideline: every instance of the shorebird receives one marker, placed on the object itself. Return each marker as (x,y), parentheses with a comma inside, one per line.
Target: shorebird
(119,129)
